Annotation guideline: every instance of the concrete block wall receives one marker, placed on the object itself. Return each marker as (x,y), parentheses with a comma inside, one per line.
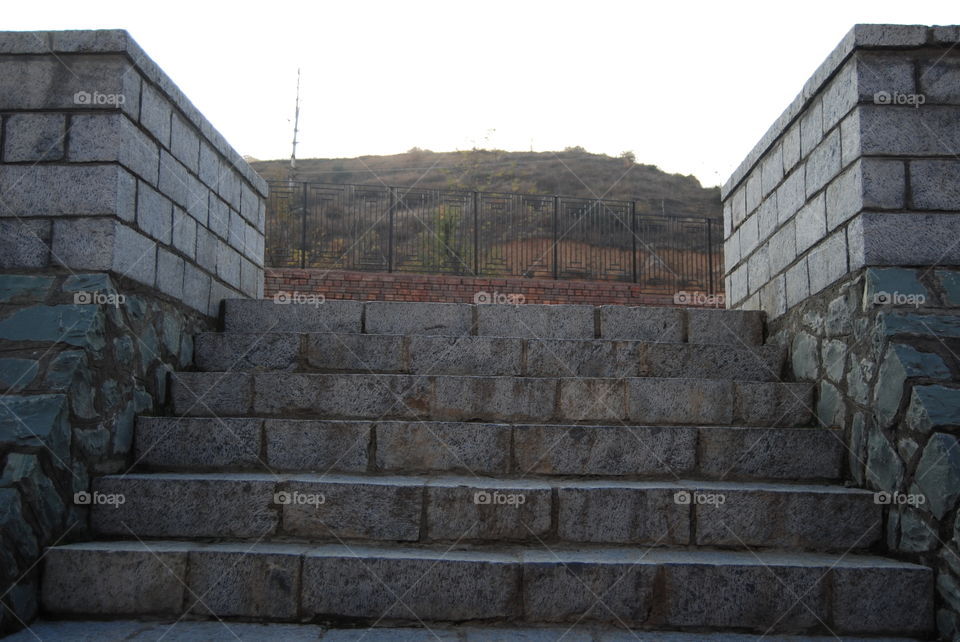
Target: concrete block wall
(125,220)
(860,170)
(843,225)
(105,165)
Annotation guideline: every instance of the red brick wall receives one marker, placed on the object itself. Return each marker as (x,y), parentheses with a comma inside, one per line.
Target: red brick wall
(377,286)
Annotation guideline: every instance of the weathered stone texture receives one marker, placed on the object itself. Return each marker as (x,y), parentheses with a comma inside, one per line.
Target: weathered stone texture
(90,168)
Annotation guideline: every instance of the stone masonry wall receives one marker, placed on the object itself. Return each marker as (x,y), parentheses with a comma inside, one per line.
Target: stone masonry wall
(843,225)
(125,220)
(73,376)
(882,347)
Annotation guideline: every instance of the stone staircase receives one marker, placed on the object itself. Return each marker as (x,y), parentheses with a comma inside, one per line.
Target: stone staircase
(428,464)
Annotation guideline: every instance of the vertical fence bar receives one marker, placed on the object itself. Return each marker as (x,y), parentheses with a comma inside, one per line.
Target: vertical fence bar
(633,240)
(710,257)
(476,233)
(556,223)
(390,227)
(303,230)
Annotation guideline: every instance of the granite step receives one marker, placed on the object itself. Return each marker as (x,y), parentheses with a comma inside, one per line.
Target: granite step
(483,355)
(633,400)
(448,508)
(720,591)
(305,314)
(214,444)
(170,630)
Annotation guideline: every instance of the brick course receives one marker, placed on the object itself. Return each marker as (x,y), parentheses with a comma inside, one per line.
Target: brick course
(376,286)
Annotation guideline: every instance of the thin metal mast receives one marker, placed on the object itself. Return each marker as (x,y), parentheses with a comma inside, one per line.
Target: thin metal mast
(296,122)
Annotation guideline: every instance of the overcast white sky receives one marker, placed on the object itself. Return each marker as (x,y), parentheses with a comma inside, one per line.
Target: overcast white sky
(688,86)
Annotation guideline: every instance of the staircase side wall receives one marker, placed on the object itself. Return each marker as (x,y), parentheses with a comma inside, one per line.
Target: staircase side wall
(843,225)
(125,220)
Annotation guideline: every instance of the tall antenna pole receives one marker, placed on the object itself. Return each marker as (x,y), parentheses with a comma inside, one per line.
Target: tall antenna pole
(296,122)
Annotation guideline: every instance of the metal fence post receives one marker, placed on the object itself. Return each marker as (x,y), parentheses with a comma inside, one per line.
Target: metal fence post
(390,227)
(556,215)
(633,239)
(303,230)
(476,233)
(710,256)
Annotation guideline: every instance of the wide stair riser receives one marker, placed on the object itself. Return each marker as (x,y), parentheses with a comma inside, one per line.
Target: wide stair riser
(762,592)
(639,401)
(489,356)
(701,326)
(460,509)
(215,444)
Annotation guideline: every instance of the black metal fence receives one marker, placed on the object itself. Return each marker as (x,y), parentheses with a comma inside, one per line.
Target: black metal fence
(388,229)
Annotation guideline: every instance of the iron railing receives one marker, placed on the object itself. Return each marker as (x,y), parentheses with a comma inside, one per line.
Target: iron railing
(388,229)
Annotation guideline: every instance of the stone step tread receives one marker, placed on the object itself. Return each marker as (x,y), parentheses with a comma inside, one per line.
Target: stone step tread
(693,325)
(510,553)
(213,631)
(397,377)
(461,508)
(640,400)
(750,591)
(241,335)
(727,452)
(419,481)
(488,355)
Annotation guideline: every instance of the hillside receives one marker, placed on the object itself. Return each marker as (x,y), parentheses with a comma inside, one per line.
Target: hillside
(572,172)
